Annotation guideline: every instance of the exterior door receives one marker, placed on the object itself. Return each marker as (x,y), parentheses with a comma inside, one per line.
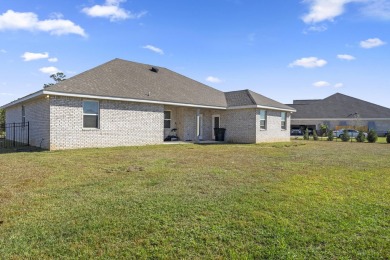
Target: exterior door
(216,122)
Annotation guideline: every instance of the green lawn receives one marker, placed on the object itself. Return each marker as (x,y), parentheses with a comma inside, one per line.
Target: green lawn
(323,200)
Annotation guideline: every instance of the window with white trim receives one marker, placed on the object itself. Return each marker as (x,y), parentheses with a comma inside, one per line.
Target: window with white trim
(263,119)
(91,114)
(283,116)
(167,119)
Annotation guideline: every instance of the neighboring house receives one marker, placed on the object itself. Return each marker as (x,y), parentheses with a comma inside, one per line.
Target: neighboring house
(340,111)
(123,103)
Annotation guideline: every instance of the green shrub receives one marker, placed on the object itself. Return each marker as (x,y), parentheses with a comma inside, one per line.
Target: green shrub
(324,129)
(388,137)
(345,136)
(372,136)
(330,135)
(306,134)
(315,136)
(360,137)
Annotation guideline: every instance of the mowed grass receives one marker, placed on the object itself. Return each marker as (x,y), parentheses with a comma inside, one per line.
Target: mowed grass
(322,200)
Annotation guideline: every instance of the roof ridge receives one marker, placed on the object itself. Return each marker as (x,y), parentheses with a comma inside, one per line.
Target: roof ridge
(250,96)
(358,99)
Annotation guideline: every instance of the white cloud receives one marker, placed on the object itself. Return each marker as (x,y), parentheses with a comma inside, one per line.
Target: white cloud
(378,9)
(317,28)
(56,15)
(110,9)
(3,51)
(28,21)
(321,84)
(154,49)
(327,10)
(322,10)
(114,2)
(6,94)
(371,43)
(310,62)
(213,79)
(29,56)
(49,70)
(346,57)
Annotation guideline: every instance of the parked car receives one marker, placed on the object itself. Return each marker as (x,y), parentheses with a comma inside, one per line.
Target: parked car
(352,133)
(296,131)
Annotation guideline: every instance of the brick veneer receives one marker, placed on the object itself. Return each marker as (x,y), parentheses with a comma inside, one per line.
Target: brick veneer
(274,131)
(57,123)
(121,124)
(37,113)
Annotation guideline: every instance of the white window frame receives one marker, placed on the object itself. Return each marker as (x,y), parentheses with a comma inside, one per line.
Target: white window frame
(283,122)
(168,119)
(88,114)
(265,119)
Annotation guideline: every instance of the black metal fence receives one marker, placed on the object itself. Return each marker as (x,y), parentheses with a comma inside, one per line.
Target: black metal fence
(14,135)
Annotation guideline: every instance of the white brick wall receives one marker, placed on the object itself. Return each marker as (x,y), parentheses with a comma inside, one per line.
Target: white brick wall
(274,131)
(185,122)
(37,113)
(240,125)
(174,119)
(59,122)
(121,124)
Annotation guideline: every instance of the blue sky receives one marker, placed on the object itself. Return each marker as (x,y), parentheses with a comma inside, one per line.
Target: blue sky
(283,49)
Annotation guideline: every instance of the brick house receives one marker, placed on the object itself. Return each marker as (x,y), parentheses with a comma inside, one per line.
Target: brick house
(122,103)
(340,111)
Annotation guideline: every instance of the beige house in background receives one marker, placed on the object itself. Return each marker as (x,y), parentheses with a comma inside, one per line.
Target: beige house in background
(122,103)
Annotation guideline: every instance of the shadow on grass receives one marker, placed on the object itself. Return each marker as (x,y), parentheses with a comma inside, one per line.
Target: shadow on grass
(21,149)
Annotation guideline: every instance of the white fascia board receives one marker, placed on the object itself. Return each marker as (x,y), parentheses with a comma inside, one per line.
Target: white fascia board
(263,107)
(241,107)
(129,100)
(276,108)
(337,119)
(25,98)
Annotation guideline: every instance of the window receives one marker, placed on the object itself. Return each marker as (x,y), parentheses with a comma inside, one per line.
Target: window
(167,119)
(23,115)
(283,117)
(263,119)
(90,114)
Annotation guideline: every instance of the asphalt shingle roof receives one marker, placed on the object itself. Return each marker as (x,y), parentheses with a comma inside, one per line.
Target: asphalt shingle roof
(338,106)
(248,97)
(125,79)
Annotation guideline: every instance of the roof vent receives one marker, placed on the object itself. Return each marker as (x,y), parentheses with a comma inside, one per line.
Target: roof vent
(154,69)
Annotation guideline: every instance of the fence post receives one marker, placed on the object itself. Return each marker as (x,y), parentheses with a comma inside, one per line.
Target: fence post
(14,134)
(28,133)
